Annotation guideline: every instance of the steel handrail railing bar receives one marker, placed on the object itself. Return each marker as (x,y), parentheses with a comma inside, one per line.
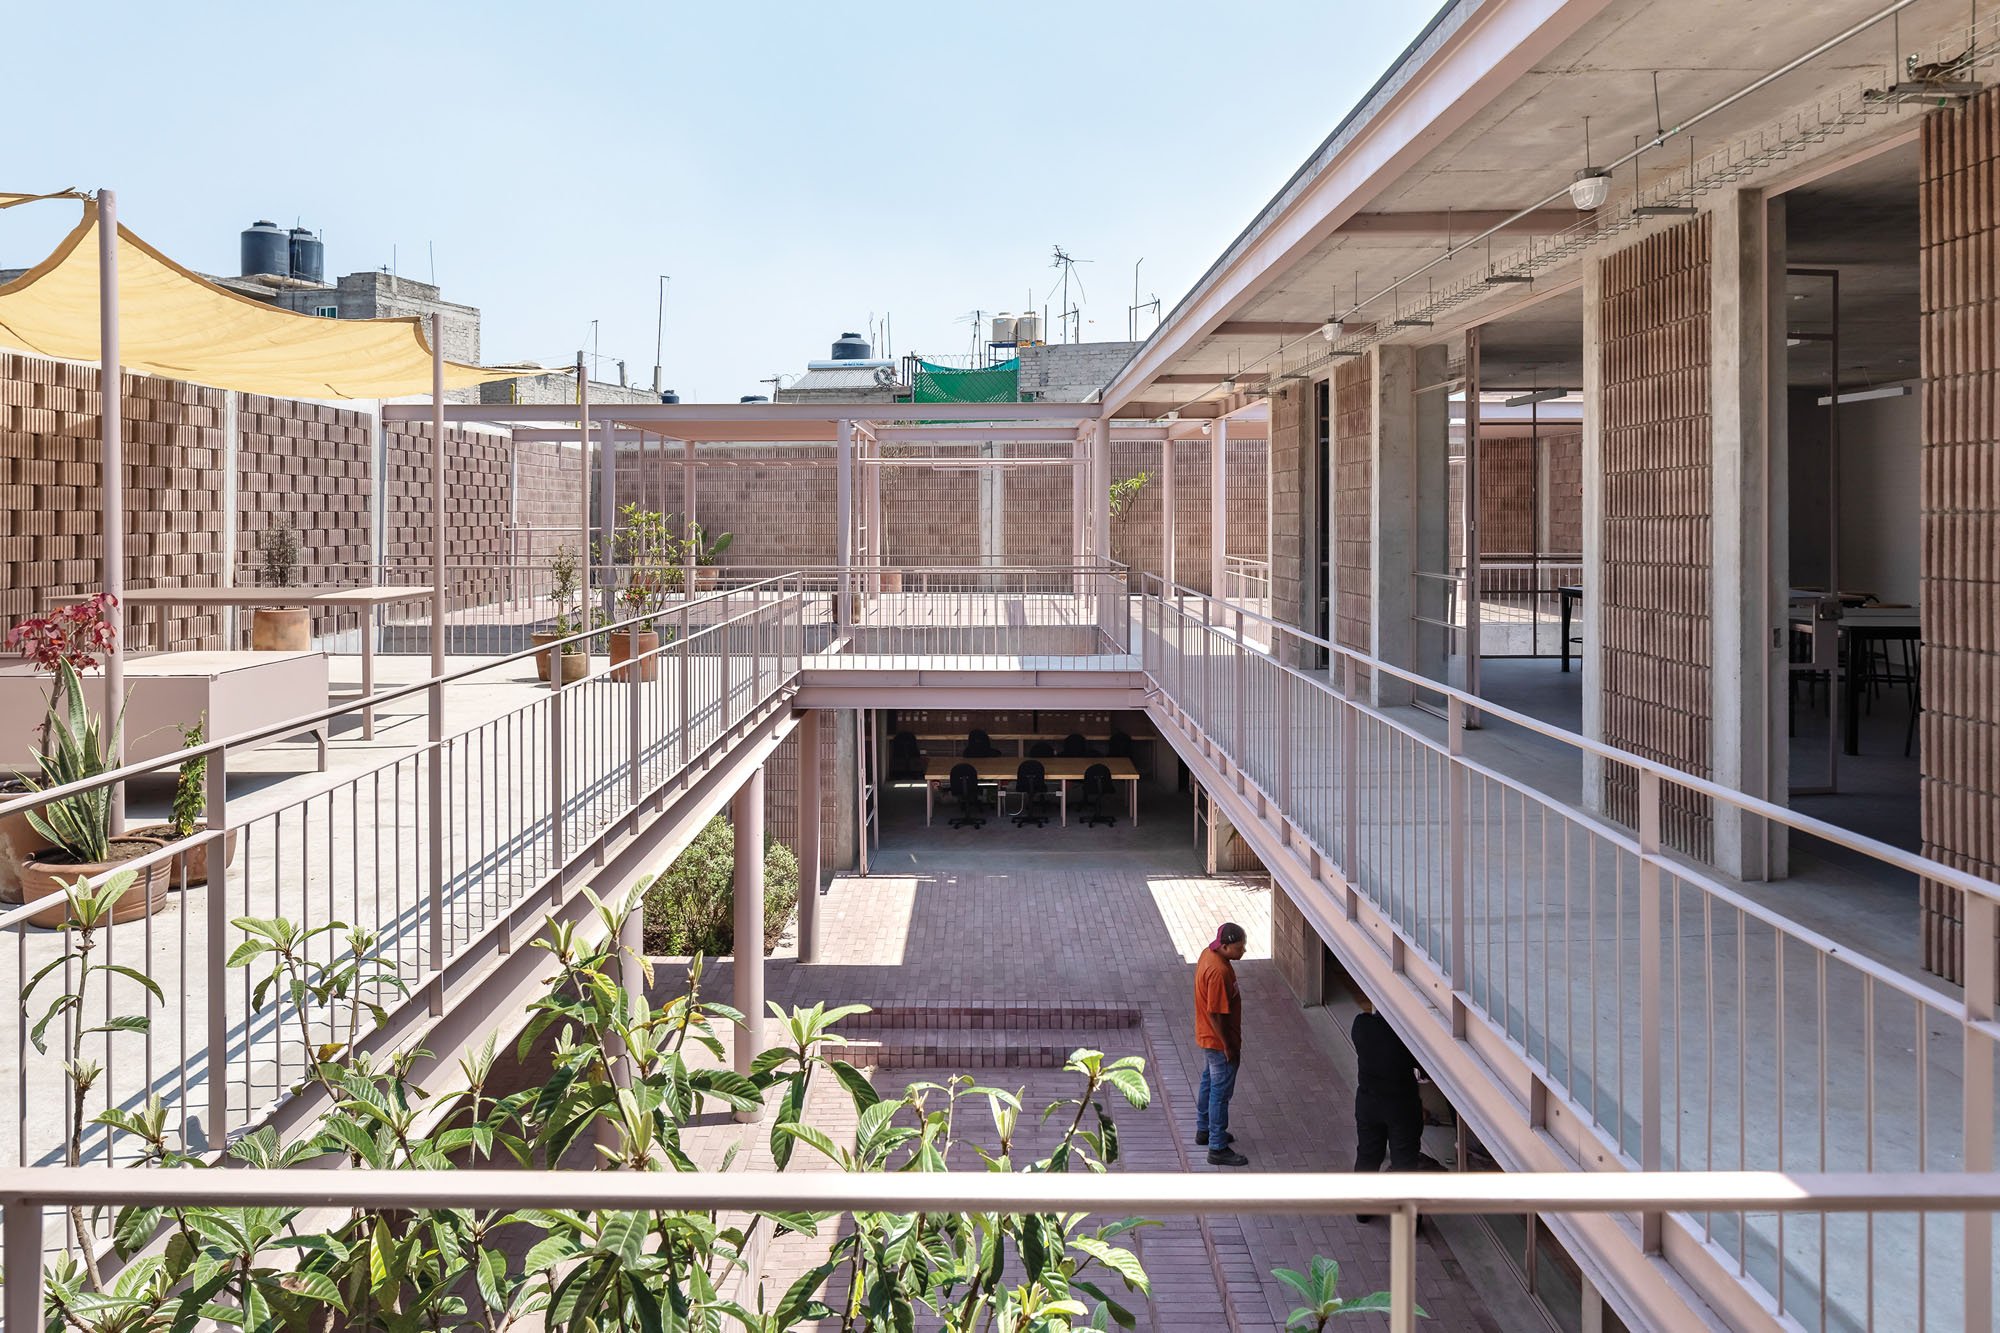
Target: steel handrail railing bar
(1402,1197)
(1912,862)
(208,748)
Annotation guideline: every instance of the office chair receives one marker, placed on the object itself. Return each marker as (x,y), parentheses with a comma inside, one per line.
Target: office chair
(906,760)
(1120,746)
(1096,788)
(977,746)
(1033,787)
(1075,747)
(1042,750)
(965,786)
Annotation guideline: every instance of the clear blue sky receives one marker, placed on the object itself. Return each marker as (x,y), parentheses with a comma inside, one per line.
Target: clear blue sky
(794,167)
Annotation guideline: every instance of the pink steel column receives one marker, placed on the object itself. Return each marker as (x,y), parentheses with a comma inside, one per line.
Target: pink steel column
(1167,508)
(843,523)
(746,814)
(809,849)
(1218,503)
(1100,494)
(583,559)
(434,786)
(687,515)
(111,478)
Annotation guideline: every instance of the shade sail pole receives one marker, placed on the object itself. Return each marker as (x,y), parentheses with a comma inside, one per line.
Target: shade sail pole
(583,559)
(111,481)
(437,507)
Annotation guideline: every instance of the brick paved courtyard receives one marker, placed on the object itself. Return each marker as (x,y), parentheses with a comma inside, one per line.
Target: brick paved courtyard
(1098,929)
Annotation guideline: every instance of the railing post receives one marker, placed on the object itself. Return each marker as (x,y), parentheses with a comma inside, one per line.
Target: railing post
(1403,1270)
(558,793)
(216,914)
(636,784)
(1982,923)
(1241,722)
(681,687)
(23,1261)
(1457,799)
(1284,782)
(1650,928)
(1350,776)
(434,814)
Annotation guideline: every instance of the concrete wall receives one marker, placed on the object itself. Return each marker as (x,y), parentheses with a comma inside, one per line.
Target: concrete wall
(1070,372)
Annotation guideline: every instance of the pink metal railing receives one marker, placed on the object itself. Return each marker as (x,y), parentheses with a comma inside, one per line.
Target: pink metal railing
(429,867)
(1691,1027)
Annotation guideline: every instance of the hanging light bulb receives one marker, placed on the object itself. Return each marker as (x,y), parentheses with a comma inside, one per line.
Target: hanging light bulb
(1333,328)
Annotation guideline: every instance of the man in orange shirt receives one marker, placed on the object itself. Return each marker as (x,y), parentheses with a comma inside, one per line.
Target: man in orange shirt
(1218,1027)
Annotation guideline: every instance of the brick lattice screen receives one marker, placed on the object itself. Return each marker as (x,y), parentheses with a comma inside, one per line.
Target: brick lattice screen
(1960,573)
(1291,418)
(1653,623)
(310,463)
(50,540)
(1353,488)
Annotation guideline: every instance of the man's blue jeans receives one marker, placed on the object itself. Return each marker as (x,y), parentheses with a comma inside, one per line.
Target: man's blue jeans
(1211,1103)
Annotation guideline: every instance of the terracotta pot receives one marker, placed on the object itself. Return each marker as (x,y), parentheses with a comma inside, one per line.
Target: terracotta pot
(281,629)
(18,841)
(191,866)
(575,662)
(621,651)
(892,580)
(51,879)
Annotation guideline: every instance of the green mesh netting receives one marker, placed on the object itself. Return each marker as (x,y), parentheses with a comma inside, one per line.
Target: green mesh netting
(998,383)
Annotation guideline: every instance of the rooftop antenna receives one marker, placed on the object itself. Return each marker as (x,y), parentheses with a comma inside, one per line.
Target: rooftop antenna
(593,347)
(660,331)
(1067,263)
(776,381)
(433,247)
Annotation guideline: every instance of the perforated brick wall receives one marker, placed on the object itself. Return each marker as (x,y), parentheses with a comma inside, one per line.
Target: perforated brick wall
(1353,449)
(1653,623)
(1959,588)
(51,505)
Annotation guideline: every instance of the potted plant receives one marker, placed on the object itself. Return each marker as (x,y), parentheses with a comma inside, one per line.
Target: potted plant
(74,634)
(190,804)
(563,589)
(646,546)
(707,554)
(280,628)
(77,828)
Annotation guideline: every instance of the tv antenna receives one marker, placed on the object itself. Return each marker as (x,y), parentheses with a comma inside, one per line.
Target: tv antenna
(1071,315)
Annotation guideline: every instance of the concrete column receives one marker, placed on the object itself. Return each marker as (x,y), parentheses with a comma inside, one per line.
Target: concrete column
(1590,657)
(1218,505)
(992,508)
(1751,564)
(1078,506)
(809,820)
(843,523)
(1403,420)
(746,814)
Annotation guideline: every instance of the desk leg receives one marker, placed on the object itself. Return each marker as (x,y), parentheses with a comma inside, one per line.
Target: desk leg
(1853,681)
(1134,803)
(1062,802)
(368,672)
(930,797)
(1564,599)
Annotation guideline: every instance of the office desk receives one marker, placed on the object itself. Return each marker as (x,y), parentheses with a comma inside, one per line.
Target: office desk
(1059,772)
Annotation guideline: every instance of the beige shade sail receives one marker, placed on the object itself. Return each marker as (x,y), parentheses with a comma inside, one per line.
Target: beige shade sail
(174,323)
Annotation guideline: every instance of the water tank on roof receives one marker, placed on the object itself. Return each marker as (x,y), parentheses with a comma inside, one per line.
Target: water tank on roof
(308,256)
(850,347)
(1028,330)
(753,398)
(670,395)
(266,249)
(1003,328)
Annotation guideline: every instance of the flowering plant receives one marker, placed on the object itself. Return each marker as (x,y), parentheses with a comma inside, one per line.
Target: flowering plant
(74,634)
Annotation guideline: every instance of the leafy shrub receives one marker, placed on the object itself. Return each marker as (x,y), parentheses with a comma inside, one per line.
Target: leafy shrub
(690,909)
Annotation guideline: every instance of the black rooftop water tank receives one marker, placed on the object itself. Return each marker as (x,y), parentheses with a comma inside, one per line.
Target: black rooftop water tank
(266,249)
(753,398)
(670,396)
(850,347)
(308,256)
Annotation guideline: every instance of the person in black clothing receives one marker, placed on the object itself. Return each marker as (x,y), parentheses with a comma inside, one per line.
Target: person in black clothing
(1388,1111)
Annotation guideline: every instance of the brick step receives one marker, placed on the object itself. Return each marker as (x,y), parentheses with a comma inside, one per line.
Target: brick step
(970,1050)
(948,1017)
